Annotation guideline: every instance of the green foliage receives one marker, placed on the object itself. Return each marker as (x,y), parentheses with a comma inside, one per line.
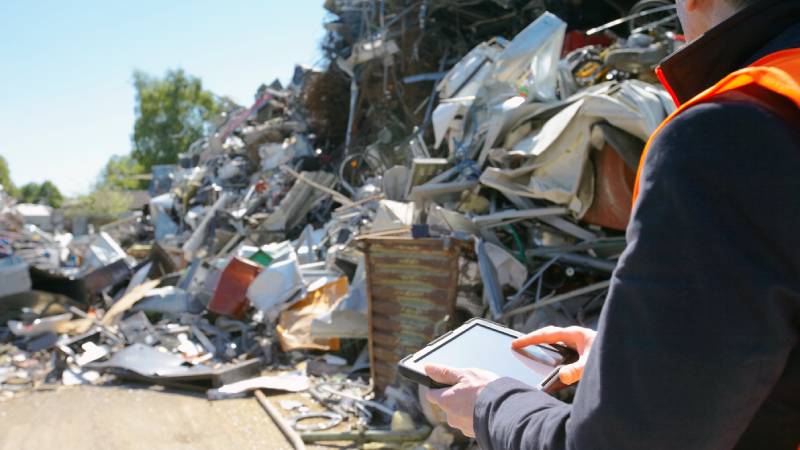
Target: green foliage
(50,195)
(47,194)
(5,178)
(171,113)
(29,193)
(102,202)
(121,172)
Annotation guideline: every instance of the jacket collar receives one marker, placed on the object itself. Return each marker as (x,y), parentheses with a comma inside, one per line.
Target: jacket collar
(754,32)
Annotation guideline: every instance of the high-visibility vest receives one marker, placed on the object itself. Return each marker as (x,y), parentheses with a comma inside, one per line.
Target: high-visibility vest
(778,72)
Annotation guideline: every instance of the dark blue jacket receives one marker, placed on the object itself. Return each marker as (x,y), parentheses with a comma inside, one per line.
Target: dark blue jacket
(697,346)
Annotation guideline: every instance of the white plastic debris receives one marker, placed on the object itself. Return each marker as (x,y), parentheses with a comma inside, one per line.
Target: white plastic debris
(73,377)
(286,383)
(275,285)
(91,353)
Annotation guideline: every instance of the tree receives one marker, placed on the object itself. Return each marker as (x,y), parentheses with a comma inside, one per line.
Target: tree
(122,172)
(47,194)
(171,113)
(101,202)
(5,178)
(50,195)
(29,193)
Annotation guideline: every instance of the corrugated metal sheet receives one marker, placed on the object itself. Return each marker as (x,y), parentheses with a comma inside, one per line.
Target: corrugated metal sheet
(412,285)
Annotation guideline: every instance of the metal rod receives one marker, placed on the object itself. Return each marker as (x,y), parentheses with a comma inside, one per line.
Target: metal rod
(622,20)
(558,298)
(655,24)
(336,196)
(286,429)
(592,263)
(500,217)
(369,436)
(606,244)
(533,279)
(569,228)
(375,405)
(352,114)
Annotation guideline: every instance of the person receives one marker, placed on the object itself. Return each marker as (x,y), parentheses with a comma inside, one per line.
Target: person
(697,344)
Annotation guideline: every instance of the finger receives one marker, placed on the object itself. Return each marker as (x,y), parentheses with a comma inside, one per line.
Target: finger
(572,373)
(442,374)
(465,428)
(452,423)
(468,431)
(435,396)
(548,335)
(462,423)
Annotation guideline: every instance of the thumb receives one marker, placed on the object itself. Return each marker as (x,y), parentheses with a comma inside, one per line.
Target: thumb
(442,374)
(572,373)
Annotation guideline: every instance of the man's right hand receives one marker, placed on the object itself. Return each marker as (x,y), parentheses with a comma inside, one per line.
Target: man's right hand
(577,338)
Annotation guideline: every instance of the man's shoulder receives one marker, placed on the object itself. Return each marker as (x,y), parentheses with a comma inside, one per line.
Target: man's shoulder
(729,129)
(737,113)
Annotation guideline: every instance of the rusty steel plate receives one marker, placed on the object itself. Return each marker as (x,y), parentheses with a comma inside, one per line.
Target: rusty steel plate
(412,286)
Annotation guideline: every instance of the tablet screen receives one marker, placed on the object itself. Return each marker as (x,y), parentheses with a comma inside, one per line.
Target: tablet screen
(485,348)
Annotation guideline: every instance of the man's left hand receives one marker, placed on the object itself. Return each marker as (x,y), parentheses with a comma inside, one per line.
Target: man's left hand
(458,401)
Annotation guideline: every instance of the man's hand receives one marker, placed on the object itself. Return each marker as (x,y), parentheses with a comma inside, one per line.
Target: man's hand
(458,401)
(577,338)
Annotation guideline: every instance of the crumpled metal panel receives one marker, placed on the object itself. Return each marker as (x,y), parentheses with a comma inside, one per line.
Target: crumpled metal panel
(412,286)
(144,363)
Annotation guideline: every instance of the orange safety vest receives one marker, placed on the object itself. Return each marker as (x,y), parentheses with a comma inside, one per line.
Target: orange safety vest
(778,72)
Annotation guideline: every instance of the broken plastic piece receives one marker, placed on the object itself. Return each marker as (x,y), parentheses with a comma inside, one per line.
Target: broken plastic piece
(284,383)
(275,285)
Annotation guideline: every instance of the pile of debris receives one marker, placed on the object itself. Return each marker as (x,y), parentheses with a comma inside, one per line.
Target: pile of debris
(298,249)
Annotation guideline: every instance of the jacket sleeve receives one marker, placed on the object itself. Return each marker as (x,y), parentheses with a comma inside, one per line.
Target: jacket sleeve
(702,312)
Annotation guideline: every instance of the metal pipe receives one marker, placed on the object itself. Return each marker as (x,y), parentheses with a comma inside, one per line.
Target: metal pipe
(491,285)
(497,218)
(622,20)
(655,24)
(368,436)
(587,261)
(375,405)
(605,245)
(558,298)
(286,429)
(533,279)
(352,114)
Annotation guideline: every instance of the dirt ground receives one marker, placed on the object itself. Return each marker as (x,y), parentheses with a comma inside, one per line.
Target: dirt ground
(133,418)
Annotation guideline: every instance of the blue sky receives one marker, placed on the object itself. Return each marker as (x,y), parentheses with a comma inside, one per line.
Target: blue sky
(66,99)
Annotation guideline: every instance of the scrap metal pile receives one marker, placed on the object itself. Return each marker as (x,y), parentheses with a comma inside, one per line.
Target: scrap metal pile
(307,246)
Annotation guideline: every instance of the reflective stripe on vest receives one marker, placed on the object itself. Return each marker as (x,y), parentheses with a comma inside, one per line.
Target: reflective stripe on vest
(778,72)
